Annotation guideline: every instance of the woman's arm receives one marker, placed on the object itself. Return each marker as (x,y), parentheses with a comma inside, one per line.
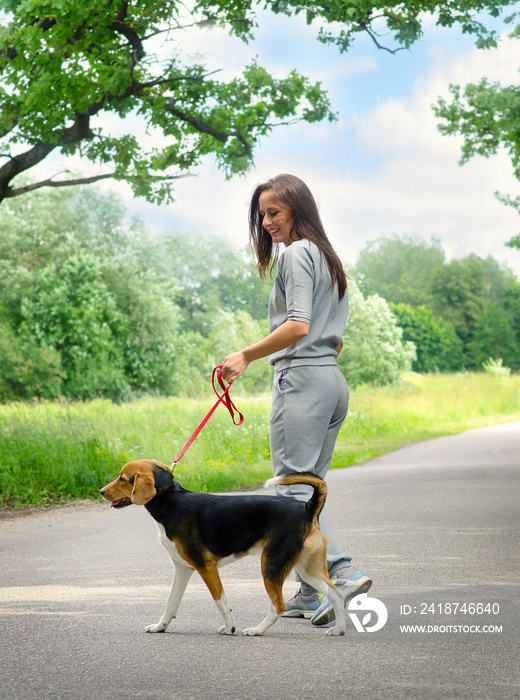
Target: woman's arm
(285,335)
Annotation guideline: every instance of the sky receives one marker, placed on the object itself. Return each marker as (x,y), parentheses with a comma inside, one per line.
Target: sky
(383,168)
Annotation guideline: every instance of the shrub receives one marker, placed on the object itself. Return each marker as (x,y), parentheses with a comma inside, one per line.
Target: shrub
(496,368)
(374,351)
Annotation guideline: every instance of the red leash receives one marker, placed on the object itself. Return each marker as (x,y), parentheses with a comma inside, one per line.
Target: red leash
(224,398)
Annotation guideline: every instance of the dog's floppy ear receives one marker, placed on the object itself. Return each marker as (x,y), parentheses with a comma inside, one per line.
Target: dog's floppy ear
(144,489)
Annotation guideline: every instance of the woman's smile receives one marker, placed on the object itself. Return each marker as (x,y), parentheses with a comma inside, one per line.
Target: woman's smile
(277,219)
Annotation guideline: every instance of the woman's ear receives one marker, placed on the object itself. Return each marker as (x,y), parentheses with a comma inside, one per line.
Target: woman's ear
(144,489)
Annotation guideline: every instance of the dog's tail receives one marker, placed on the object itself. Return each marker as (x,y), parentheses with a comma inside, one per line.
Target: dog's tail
(316,502)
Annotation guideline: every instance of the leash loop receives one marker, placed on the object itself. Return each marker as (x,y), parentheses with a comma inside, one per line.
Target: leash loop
(224,398)
(235,414)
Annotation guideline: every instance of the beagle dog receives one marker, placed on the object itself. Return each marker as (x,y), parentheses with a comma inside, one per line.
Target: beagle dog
(203,532)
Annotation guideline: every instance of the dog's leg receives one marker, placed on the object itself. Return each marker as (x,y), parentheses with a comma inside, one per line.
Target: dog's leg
(224,608)
(269,620)
(313,569)
(211,578)
(180,580)
(336,598)
(276,608)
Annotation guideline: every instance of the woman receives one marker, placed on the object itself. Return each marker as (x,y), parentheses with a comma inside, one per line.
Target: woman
(308,312)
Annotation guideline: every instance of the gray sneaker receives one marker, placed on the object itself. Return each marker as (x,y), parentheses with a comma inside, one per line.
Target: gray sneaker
(356,583)
(301,605)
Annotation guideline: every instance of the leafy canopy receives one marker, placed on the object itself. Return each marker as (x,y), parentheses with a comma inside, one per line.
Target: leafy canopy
(487,116)
(92,304)
(438,347)
(399,268)
(78,77)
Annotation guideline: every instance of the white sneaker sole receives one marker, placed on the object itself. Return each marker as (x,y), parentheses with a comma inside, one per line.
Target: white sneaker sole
(299,613)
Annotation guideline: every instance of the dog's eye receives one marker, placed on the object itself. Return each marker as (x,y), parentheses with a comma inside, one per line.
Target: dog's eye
(121,479)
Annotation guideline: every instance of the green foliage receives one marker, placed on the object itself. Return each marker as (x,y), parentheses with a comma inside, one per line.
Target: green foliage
(478,298)
(437,345)
(94,306)
(373,350)
(208,276)
(459,289)
(52,452)
(235,331)
(486,115)
(27,369)
(500,282)
(391,25)
(511,306)
(72,310)
(228,332)
(514,242)
(64,63)
(399,268)
(493,337)
(85,318)
(496,368)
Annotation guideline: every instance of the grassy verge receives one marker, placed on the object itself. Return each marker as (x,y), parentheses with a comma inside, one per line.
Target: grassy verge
(52,452)
(422,407)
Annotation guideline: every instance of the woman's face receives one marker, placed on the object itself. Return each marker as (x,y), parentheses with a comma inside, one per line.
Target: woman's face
(278,219)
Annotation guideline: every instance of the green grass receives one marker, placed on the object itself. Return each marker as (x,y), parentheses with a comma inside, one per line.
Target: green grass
(422,407)
(57,452)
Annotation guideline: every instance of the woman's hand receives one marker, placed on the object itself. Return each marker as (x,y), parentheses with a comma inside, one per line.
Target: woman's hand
(285,335)
(234,366)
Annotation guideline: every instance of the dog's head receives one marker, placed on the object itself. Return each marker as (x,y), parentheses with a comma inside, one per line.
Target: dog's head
(138,482)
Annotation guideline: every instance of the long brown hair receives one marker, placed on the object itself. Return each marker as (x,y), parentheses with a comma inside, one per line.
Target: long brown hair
(294,194)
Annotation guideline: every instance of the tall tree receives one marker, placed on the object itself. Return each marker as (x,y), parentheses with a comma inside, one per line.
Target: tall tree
(511,307)
(65,64)
(493,338)
(209,276)
(438,347)
(90,303)
(84,316)
(487,116)
(459,289)
(400,268)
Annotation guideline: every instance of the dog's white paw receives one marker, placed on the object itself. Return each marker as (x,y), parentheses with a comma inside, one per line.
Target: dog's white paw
(335,632)
(159,627)
(252,632)
(226,630)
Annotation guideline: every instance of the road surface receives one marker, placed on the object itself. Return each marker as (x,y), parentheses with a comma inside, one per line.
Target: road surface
(436,525)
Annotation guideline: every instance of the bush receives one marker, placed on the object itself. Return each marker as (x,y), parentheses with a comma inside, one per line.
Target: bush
(27,370)
(438,346)
(496,368)
(374,351)
(493,337)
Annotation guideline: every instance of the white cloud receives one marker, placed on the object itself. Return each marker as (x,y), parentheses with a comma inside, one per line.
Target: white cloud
(376,172)
(413,185)
(417,186)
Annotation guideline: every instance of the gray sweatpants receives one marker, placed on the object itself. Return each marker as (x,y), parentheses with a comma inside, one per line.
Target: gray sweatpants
(308,408)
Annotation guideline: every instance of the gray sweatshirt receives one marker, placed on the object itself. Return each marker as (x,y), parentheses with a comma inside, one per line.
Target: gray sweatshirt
(302,292)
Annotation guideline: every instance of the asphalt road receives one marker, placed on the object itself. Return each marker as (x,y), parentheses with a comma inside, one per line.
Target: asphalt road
(435,524)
